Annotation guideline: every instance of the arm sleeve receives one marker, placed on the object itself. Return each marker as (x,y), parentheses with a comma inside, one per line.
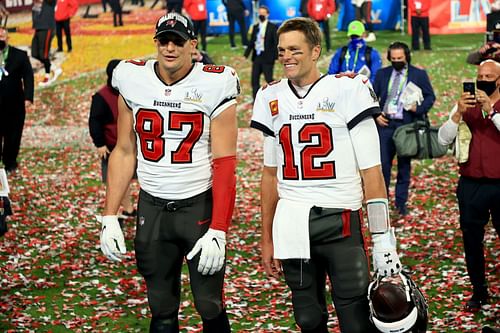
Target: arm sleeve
(100,114)
(28,79)
(366,144)
(448,131)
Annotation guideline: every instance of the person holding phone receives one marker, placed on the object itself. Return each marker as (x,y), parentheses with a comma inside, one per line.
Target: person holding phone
(478,190)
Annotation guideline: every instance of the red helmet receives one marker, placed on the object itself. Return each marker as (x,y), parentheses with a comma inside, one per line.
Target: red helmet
(397,307)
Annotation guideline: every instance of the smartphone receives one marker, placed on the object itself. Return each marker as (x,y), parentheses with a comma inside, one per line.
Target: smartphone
(470,87)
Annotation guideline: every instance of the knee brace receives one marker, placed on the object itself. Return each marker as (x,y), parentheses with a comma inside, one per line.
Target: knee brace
(309,315)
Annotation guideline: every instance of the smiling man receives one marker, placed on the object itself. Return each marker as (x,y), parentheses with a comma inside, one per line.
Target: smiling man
(177,121)
(321,161)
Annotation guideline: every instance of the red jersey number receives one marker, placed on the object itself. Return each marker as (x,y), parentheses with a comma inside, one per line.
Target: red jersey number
(323,147)
(149,126)
(184,153)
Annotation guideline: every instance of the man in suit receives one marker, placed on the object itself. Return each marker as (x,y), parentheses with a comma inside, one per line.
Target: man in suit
(388,85)
(236,12)
(16,93)
(264,48)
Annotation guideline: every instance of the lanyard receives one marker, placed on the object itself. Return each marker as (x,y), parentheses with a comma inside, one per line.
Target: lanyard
(348,56)
(5,53)
(401,83)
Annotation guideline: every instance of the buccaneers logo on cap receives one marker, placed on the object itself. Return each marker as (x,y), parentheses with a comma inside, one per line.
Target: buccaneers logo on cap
(171,22)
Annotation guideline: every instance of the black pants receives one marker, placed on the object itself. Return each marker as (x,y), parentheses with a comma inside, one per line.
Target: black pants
(240,18)
(40,47)
(116,7)
(200,27)
(477,200)
(326,32)
(364,14)
(261,66)
(417,24)
(11,130)
(337,250)
(174,6)
(60,26)
(163,238)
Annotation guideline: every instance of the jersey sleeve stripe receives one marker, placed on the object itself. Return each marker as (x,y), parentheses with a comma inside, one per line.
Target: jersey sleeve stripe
(223,104)
(262,128)
(365,114)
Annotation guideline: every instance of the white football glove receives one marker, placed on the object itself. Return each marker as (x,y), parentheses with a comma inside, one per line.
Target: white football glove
(112,240)
(213,251)
(385,258)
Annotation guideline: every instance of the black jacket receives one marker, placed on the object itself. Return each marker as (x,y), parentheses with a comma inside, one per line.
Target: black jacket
(234,6)
(17,87)
(270,53)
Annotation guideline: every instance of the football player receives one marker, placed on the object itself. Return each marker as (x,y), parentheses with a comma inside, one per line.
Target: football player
(321,161)
(177,120)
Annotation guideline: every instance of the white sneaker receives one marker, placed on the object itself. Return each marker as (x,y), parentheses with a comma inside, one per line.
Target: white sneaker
(49,79)
(57,73)
(371,37)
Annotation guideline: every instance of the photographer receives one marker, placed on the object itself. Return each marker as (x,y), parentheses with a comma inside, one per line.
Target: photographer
(478,190)
(490,50)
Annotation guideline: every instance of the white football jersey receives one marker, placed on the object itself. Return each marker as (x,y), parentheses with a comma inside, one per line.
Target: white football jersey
(172,124)
(316,161)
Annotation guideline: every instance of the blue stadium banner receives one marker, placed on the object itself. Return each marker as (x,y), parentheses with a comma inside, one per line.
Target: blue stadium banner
(385,14)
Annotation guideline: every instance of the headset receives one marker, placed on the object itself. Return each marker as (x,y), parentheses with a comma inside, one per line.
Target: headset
(399,45)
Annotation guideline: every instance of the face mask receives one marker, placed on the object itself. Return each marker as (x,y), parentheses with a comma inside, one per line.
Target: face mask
(262,18)
(355,41)
(488,87)
(3,44)
(398,65)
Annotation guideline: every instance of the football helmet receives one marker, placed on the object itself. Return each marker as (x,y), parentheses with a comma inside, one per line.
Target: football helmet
(397,307)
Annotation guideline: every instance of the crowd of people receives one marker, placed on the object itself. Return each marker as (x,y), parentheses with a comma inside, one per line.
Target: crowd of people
(328,152)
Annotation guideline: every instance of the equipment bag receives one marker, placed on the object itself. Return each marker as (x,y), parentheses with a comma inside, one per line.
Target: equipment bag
(418,140)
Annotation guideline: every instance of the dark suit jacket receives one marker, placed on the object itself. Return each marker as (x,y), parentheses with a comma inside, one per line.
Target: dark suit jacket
(270,53)
(18,85)
(418,77)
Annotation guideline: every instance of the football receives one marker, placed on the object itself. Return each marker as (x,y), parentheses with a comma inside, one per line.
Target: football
(389,302)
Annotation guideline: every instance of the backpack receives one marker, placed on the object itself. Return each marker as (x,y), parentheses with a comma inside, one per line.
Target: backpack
(368,55)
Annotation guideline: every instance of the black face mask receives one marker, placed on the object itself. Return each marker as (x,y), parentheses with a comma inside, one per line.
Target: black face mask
(262,18)
(3,44)
(398,65)
(489,87)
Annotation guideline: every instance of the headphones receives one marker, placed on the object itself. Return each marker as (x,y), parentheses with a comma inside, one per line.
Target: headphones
(399,45)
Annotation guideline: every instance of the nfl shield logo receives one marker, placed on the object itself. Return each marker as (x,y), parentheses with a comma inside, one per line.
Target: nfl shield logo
(168,92)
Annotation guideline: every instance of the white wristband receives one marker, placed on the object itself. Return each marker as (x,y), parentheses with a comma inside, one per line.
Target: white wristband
(378,215)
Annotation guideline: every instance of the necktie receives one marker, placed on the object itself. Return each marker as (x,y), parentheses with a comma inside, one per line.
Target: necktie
(393,93)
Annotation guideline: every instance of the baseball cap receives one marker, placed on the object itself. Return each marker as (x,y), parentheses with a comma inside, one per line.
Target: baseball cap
(355,28)
(175,23)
